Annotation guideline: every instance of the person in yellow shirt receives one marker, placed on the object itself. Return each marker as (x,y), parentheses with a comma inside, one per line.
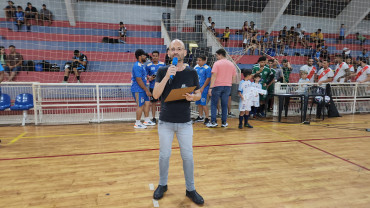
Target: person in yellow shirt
(317,37)
(226,36)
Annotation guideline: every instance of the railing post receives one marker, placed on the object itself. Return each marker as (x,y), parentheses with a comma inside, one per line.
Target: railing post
(354,99)
(98,102)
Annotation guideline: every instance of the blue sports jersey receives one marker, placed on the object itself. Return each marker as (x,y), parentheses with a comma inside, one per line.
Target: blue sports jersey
(204,72)
(1,68)
(151,69)
(138,70)
(20,16)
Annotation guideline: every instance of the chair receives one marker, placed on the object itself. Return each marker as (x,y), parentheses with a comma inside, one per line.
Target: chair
(4,102)
(23,102)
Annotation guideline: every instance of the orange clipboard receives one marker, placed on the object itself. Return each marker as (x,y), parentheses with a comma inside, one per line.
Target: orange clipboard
(177,94)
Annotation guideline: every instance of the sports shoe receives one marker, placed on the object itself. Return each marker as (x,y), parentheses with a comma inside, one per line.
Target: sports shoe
(219,115)
(224,124)
(154,120)
(199,119)
(64,82)
(158,193)
(212,124)
(248,125)
(139,126)
(149,123)
(206,121)
(78,81)
(195,197)
(231,115)
(240,126)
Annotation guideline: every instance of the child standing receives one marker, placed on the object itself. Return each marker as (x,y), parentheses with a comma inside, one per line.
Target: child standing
(256,98)
(246,98)
(204,75)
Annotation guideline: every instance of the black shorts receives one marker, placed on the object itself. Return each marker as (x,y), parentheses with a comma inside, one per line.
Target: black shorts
(341,37)
(225,39)
(30,16)
(152,100)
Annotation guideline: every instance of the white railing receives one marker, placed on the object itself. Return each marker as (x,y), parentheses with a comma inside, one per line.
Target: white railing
(164,35)
(349,98)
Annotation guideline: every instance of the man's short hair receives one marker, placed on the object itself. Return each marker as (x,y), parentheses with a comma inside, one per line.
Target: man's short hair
(338,55)
(262,58)
(363,59)
(139,52)
(246,72)
(308,59)
(213,23)
(76,52)
(203,57)
(11,2)
(209,18)
(157,52)
(319,30)
(271,60)
(227,27)
(44,5)
(221,52)
(121,23)
(324,60)
(11,46)
(2,47)
(29,3)
(284,61)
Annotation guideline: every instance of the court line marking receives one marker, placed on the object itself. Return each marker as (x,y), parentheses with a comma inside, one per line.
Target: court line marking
(16,139)
(336,156)
(156,149)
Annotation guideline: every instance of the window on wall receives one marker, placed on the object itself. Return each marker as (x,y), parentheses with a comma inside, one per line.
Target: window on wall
(167,3)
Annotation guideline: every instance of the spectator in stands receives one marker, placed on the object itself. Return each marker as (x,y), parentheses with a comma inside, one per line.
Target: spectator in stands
(310,69)
(209,23)
(253,28)
(122,32)
(361,38)
(10,11)
(301,38)
(325,74)
(45,15)
(291,36)
(363,71)
(342,31)
(277,43)
(19,17)
(283,34)
(317,37)
(151,71)
(341,70)
(245,30)
(3,57)
(316,54)
(79,64)
(325,53)
(363,55)
(223,75)
(31,13)
(265,42)
(346,52)
(253,45)
(299,35)
(1,75)
(139,90)
(167,59)
(213,29)
(287,69)
(14,62)
(225,37)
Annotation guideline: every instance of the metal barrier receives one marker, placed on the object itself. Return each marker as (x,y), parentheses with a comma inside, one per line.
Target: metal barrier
(349,98)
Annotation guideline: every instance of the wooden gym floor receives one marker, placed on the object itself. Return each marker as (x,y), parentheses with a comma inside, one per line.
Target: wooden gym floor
(325,164)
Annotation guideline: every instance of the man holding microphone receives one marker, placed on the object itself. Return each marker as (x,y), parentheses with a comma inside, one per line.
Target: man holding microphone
(175,118)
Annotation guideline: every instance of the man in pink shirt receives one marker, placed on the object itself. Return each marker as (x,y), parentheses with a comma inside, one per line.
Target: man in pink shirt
(223,75)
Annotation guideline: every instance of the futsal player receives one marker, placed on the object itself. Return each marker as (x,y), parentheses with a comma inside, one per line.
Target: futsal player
(204,74)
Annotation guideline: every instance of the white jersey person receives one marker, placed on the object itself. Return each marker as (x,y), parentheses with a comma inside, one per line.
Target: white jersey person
(310,69)
(363,71)
(325,74)
(341,70)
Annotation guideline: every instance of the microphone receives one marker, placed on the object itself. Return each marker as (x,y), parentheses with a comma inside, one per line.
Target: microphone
(174,62)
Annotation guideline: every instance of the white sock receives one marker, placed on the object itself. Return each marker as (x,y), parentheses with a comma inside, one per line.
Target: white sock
(146,119)
(138,122)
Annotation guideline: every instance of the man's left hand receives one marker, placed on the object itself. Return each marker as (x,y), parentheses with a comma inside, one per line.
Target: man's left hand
(189,97)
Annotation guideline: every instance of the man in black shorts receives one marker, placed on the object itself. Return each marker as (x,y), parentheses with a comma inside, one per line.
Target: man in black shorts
(10,11)
(45,15)
(31,13)
(151,71)
(79,63)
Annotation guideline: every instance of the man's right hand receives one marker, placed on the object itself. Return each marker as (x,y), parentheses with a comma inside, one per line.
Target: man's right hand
(148,93)
(171,71)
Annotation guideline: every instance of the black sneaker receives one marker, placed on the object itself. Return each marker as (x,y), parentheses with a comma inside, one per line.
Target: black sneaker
(154,120)
(206,121)
(199,119)
(231,115)
(158,193)
(195,197)
(248,125)
(240,126)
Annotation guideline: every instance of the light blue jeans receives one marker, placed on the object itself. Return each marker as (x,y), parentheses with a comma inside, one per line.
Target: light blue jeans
(184,133)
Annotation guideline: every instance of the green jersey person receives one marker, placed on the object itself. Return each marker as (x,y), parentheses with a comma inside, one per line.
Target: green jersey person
(264,70)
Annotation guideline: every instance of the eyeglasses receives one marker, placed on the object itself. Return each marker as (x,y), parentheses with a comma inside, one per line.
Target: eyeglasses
(176,49)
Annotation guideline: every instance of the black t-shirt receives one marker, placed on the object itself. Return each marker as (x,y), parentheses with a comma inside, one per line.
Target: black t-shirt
(176,111)
(33,9)
(82,57)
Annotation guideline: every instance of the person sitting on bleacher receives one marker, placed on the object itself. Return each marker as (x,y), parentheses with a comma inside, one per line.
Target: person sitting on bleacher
(31,13)
(19,17)
(10,11)
(45,15)
(79,64)
(14,62)
(122,32)
(363,55)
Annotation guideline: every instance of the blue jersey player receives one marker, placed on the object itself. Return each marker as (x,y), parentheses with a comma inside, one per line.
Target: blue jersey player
(204,75)
(1,75)
(151,71)
(139,90)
